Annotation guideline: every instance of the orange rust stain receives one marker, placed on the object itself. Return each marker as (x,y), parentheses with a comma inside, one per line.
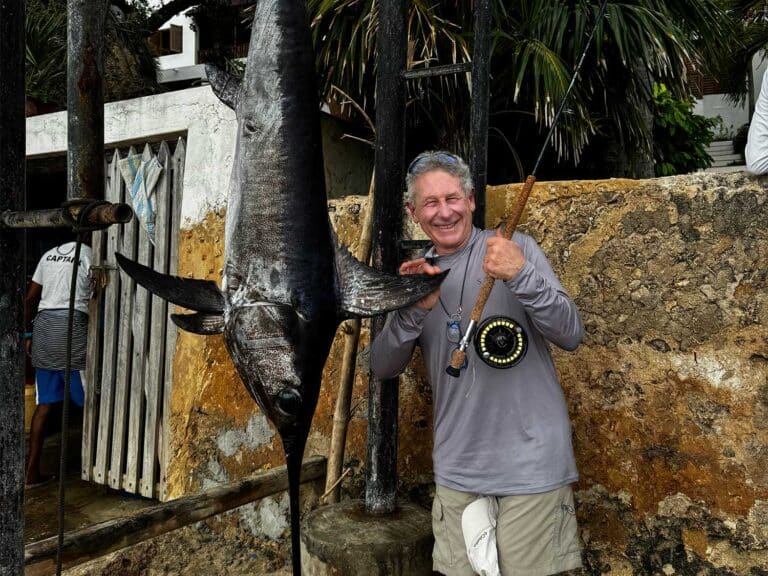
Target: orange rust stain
(697,541)
(607,527)
(208,396)
(653,447)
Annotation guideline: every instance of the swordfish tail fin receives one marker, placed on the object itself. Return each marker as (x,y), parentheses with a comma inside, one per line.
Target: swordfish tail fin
(203,296)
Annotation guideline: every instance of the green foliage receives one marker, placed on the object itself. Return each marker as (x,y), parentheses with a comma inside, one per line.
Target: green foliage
(536,44)
(680,136)
(732,65)
(130,69)
(46,52)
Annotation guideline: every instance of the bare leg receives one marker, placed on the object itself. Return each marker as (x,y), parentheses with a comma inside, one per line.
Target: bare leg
(36,437)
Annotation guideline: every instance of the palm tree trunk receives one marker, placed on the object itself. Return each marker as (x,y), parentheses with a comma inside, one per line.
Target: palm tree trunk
(626,159)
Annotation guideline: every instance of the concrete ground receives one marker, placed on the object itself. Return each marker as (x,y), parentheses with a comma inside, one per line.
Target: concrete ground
(210,547)
(85,504)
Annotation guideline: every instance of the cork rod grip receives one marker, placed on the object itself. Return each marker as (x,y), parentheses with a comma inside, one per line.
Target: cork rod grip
(459,355)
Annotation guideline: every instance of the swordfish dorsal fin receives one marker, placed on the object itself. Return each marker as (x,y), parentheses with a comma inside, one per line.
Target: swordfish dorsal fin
(364,291)
(225,86)
(203,296)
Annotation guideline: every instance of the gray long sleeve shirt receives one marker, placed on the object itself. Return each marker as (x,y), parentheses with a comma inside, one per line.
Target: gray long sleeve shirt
(496,431)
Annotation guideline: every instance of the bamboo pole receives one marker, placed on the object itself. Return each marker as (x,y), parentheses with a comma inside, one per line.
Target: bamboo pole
(351,330)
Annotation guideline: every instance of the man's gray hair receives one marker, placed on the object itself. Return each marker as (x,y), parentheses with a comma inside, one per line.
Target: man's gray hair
(438,160)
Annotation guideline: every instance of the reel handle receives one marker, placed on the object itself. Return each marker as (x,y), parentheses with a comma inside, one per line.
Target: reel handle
(459,355)
(455,372)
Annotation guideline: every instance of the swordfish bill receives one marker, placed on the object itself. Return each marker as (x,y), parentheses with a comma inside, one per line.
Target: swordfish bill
(286,281)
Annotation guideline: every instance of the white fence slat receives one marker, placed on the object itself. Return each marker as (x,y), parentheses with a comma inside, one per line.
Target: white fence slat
(171,331)
(155,363)
(109,345)
(92,373)
(124,357)
(142,307)
(132,341)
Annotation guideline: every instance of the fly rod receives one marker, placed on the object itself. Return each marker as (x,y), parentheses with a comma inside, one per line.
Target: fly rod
(459,355)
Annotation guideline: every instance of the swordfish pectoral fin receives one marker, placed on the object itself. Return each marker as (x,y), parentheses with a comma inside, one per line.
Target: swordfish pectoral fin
(364,291)
(199,295)
(225,86)
(200,323)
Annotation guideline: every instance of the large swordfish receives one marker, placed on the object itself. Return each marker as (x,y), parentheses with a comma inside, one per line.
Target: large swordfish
(286,283)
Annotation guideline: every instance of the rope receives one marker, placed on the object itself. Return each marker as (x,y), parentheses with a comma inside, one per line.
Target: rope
(78,227)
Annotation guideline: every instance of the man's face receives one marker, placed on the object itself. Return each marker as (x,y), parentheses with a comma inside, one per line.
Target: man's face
(441,209)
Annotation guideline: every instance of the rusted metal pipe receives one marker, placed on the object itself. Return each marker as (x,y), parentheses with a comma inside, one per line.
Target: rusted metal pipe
(432,71)
(85,98)
(102,215)
(12,184)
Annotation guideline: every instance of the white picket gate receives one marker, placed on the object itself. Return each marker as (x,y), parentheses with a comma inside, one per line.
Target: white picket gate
(131,340)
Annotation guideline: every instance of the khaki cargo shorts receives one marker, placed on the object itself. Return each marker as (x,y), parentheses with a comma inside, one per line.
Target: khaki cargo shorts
(536,535)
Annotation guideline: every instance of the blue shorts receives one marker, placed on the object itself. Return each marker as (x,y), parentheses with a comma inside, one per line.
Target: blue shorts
(50,386)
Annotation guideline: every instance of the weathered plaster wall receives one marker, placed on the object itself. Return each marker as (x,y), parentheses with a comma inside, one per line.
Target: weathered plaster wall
(668,394)
(210,131)
(196,113)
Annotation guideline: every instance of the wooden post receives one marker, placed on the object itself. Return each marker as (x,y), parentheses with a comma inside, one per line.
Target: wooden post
(381,472)
(12,184)
(481,54)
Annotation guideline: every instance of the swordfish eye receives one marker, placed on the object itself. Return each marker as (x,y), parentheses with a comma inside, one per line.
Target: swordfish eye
(249,126)
(231,282)
(288,401)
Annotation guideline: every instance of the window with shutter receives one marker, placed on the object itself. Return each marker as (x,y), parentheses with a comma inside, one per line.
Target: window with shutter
(175,40)
(168,41)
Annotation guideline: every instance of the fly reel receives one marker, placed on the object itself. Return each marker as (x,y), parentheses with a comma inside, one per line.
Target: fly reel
(501,342)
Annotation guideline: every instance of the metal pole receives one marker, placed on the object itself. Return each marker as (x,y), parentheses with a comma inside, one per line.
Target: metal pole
(389,172)
(85,157)
(85,98)
(12,184)
(481,54)
(100,215)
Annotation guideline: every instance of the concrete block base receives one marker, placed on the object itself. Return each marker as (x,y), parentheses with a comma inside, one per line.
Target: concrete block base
(342,539)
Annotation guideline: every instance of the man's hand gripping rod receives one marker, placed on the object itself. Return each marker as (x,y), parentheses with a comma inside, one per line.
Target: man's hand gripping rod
(459,355)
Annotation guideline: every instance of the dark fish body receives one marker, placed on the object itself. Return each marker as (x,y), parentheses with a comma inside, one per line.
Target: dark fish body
(286,284)
(278,284)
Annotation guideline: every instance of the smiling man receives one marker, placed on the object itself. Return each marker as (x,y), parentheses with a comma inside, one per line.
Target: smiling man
(502,438)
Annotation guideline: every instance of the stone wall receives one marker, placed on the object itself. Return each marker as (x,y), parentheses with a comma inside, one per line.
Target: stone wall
(668,394)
